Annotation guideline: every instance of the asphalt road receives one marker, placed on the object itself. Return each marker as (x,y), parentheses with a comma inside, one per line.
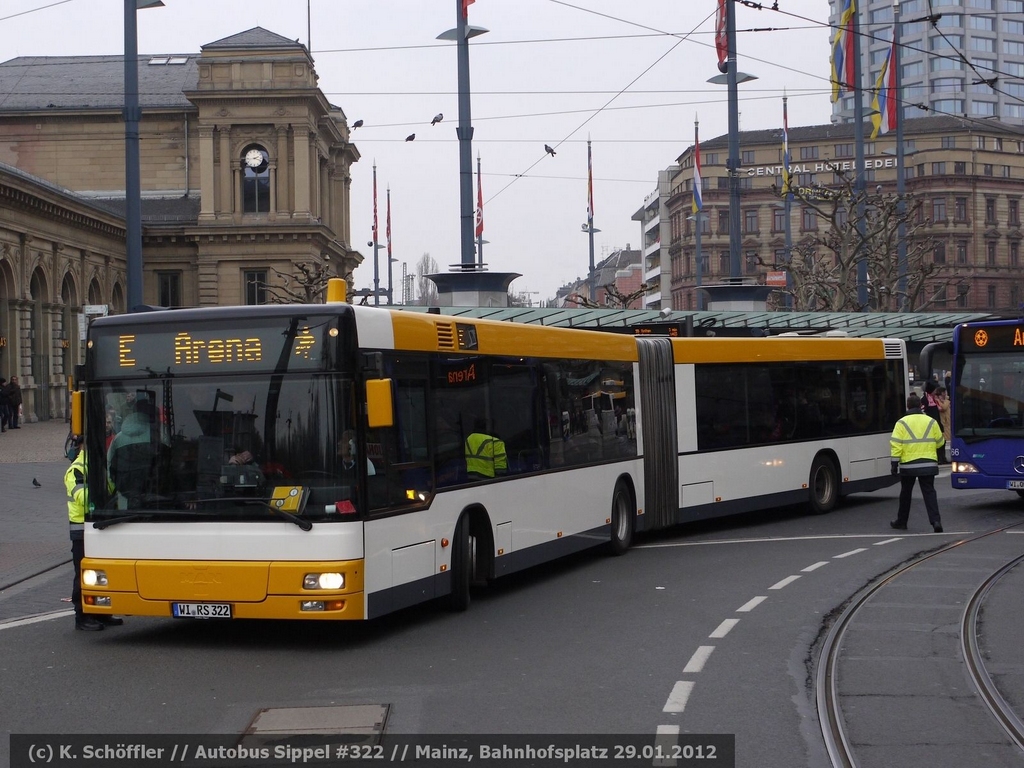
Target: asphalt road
(708,628)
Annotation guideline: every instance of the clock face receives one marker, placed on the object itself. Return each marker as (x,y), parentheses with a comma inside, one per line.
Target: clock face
(254,158)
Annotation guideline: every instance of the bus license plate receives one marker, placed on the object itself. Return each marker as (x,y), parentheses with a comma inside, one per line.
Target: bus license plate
(201,610)
(1015,485)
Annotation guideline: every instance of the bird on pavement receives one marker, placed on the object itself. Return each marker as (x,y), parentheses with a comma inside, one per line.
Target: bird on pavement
(437,119)
(410,137)
(549,150)
(36,483)
(357,124)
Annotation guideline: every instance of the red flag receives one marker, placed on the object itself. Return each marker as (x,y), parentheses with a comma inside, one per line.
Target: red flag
(722,36)
(479,205)
(387,231)
(465,7)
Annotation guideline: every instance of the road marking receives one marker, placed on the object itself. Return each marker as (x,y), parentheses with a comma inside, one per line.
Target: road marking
(750,605)
(698,660)
(723,629)
(35,619)
(784,583)
(762,540)
(851,552)
(665,741)
(680,693)
(887,541)
(814,567)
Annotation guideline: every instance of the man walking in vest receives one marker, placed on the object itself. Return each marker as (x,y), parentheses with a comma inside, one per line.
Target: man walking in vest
(914,446)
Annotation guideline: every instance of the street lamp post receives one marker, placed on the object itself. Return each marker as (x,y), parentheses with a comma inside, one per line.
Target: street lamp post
(132,181)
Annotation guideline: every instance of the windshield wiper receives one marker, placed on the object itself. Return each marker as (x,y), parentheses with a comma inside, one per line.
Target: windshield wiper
(280,513)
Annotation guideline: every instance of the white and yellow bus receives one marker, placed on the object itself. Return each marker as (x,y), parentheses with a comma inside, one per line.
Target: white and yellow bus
(225,492)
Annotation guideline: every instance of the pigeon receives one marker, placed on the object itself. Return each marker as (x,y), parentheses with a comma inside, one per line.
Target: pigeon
(357,124)
(549,150)
(410,137)
(437,119)
(36,483)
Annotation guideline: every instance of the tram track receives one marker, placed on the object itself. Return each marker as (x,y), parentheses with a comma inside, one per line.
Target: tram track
(837,742)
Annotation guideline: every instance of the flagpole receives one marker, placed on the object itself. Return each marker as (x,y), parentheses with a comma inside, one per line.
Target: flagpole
(376,244)
(901,204)
(590,218)
(858,187)
(479,215)
(698,214)
(788,190)
(388,234)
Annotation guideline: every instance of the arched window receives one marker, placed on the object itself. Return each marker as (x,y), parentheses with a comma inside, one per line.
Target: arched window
(255,180)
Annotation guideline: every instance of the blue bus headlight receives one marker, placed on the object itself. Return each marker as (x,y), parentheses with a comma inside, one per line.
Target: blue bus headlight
(323,581)
(962,467)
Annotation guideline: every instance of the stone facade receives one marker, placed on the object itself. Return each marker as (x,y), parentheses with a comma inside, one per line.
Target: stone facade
(970,178)
(216,229)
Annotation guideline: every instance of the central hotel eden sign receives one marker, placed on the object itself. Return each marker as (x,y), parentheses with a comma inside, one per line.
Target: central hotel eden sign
(828,165)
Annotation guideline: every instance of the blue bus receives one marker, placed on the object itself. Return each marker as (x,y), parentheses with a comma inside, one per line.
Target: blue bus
(987,398)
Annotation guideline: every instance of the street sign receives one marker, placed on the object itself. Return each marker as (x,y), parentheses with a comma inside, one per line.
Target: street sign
(94,310)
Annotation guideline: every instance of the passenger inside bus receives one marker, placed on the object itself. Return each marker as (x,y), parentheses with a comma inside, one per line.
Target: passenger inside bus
(347,454)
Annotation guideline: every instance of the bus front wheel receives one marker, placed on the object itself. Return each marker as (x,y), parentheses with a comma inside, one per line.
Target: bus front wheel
(622,520)
(463,566)
(823,485)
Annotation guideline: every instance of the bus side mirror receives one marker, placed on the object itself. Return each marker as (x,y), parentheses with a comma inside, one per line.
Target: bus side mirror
(380,411)
(77,405)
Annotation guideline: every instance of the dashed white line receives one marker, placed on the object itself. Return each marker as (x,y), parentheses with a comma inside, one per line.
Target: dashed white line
(723,629)
(814,567)
(665,741)
(698,660)
(784,583)
(887,541)
(679,696)
(851,552)
(750,605)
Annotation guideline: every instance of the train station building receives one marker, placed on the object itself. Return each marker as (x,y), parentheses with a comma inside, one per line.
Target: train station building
(245,173)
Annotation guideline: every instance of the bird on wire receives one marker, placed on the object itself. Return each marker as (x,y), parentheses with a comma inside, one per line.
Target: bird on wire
(549,150)
(36,483)
(437,119)
(357,124)
(410,137)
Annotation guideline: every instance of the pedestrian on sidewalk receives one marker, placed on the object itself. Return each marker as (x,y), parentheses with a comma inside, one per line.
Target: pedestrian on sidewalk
(5,408)
(74,481)
(914,446)
(13,392)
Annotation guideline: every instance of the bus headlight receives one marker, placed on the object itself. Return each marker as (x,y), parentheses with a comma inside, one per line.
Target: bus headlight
(323,581)
(92,578)
(962,467)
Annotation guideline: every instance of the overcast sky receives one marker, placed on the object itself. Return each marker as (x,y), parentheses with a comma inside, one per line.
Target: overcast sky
(631,76)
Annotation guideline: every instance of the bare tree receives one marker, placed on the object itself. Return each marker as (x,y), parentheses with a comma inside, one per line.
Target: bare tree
(613,297)
(307,285)
(823,266)
(426,289)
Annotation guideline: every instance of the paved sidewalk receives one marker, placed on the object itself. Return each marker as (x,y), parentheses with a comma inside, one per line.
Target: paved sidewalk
(33,521)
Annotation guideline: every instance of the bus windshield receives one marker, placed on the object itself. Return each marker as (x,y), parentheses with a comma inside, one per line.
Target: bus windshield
(989,396)
(224,448)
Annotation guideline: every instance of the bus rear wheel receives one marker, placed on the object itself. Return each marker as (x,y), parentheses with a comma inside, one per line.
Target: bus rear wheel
(463,566)
(823,485)
(622,519)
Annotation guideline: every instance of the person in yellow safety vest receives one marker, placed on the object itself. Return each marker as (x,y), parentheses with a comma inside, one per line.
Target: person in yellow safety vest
(914,447)
(74,483)
(485,454)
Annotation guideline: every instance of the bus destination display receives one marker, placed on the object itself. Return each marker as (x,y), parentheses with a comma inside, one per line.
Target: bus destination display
(178,351)
(992,338)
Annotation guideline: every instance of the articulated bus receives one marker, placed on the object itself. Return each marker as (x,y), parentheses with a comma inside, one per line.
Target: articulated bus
(227,493)
(987,403)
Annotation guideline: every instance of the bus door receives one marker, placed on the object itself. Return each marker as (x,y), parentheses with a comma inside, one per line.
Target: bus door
(660,438)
